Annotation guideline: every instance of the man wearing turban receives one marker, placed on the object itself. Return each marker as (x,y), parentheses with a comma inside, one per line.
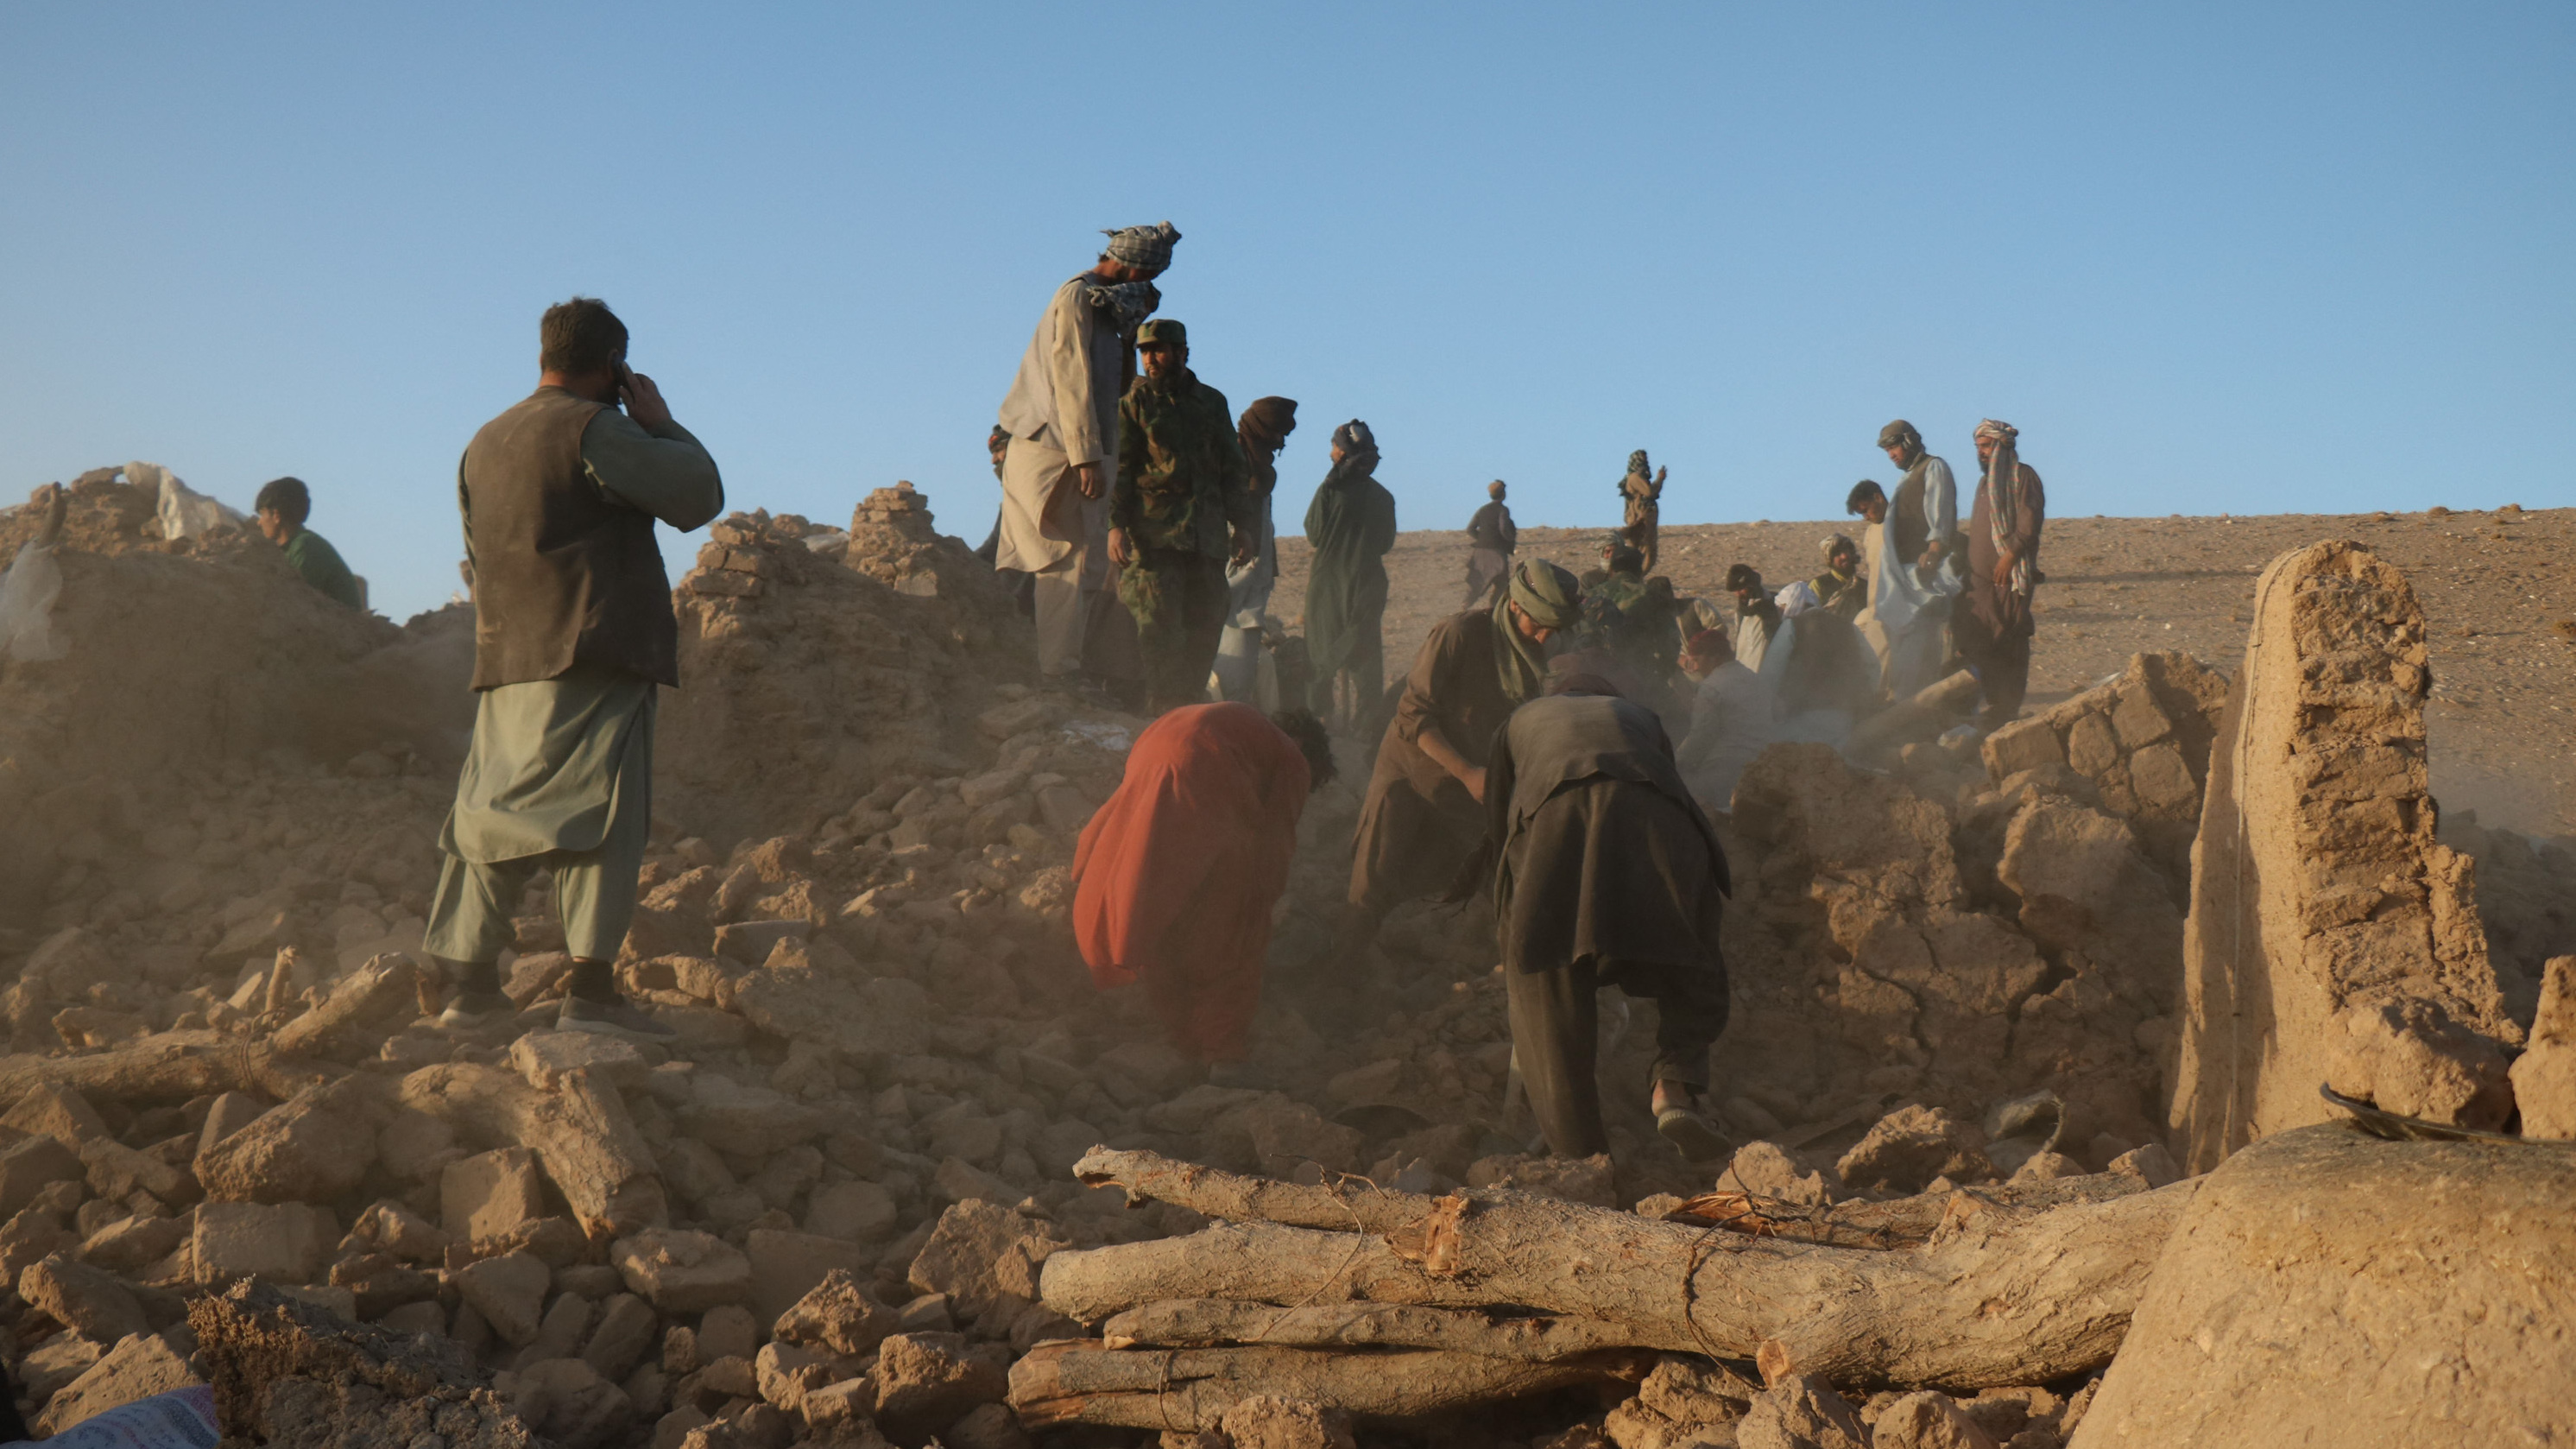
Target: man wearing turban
(1062,417)
(1351,524)
(1993,631)
(1492,539)
(1424,815)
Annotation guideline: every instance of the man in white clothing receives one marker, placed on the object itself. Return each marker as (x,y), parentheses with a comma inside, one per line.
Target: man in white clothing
(1908,601)
(1062,415)
(1732,720)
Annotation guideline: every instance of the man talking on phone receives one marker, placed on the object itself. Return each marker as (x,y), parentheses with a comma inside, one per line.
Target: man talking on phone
(573,631)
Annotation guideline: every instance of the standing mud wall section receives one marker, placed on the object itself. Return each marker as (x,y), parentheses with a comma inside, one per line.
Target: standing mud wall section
(803,683)
(2317,883)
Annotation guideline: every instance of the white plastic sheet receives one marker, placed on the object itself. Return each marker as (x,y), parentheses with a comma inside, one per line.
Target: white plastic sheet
(185,512)
(27,594)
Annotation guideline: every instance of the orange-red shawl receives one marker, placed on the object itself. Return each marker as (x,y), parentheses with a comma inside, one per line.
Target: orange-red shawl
(1175,877)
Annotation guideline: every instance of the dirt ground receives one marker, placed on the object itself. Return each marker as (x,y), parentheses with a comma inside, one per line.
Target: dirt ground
(2495,587)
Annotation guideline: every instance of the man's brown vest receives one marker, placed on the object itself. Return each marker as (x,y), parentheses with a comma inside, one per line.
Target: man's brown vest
(563,573)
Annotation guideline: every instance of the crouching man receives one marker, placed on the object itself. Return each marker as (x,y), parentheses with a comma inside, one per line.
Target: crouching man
(573,631)
(1605,873)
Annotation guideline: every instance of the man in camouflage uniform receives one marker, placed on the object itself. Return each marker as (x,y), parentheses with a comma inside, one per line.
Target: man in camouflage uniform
(1181,507)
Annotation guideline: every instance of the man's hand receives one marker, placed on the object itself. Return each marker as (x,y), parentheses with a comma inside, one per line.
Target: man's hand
(2003,571)
(1090,478)
(1473,777)
(1246,546)
(1119,553)
(644,402)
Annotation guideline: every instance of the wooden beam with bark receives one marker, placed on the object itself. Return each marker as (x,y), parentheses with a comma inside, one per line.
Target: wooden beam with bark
(1184,1389)
(1999,1297)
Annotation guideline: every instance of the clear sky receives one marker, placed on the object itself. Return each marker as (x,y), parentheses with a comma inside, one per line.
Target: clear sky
(2223,257)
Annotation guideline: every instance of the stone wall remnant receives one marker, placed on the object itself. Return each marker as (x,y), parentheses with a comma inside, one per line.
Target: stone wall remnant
(2317,883)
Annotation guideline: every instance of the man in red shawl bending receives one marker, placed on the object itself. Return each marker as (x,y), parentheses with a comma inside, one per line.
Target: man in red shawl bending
(1176,875)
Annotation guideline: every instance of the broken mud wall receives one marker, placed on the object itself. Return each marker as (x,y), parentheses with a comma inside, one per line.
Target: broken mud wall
(806,678)
(2141,740)
(2318,884)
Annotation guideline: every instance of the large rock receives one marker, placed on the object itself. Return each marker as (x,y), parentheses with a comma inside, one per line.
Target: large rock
(138,1367)
(2317,883)
(680,1272)
(491,1194)
(90,1301)
(927,1381)
(839,1315)
(282,1242)
(2544,1079)
(1800,1412)
(28,1166)
(2326,1287)
(985,1258)
(316,1146)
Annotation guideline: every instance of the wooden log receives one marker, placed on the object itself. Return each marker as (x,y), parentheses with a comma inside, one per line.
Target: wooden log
(580,1132)
(1998,1298)
(1206,1322)
(169,1066)
(371,989)
(1932,709)
(1081,1381)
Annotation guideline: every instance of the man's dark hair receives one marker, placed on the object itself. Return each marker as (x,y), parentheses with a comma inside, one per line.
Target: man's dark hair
(1862,492)
(1741,577)
(1314,742)
(288,496)
(580,336)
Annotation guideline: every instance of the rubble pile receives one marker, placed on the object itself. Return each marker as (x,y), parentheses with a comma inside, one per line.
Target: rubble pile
(843,1204)
(808,680)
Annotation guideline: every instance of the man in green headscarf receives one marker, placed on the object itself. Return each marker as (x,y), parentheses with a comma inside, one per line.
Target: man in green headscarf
(1351,523)
(1423,816)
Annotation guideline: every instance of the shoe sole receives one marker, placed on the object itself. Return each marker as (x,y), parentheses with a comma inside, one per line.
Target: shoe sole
(1693,1136)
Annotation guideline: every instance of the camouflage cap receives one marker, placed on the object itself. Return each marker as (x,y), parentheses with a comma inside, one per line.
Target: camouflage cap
(1163,331)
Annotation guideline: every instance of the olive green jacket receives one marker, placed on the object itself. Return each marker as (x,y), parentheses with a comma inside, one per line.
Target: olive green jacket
(1182,482)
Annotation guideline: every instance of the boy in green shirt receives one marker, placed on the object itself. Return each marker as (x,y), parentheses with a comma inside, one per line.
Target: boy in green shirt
(283,505)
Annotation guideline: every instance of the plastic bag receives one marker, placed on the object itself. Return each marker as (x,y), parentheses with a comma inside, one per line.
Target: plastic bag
(180,1419)
(185,512)
(27,594)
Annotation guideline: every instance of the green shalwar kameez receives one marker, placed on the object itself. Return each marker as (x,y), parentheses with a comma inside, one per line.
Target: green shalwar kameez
(1351,524)
(560,771)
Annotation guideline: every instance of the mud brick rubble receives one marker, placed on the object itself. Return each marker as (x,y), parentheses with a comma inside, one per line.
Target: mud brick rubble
(1985,1021)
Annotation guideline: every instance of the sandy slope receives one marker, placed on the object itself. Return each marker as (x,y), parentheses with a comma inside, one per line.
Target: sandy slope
(2497,587)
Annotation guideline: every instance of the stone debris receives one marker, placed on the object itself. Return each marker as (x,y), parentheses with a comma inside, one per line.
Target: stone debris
(826,1210)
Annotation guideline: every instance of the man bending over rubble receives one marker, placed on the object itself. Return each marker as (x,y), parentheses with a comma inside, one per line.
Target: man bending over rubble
(1422,817)
(1605,873)
(1176,875)
(572,630)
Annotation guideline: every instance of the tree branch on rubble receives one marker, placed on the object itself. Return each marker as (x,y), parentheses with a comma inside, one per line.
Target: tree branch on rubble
(1206,1322)
(170,1066)
(1079,1381)
(1999,1297)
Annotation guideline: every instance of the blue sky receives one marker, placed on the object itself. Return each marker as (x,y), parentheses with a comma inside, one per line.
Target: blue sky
(2208,257)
